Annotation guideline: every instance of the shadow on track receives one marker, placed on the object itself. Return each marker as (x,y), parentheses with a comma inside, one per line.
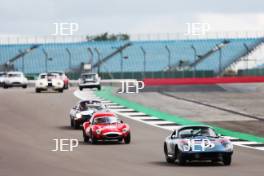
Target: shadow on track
(188,164)
(66,128)
(46,92)
(102,143)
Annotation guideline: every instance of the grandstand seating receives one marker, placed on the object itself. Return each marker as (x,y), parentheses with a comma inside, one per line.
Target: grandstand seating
(156,54)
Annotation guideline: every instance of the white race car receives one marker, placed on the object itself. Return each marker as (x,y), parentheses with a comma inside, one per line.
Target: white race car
(49,80)
(64,77)
(2,78)
(15,79)
(89,80)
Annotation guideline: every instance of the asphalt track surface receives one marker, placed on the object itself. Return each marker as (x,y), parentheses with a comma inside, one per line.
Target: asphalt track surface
(29,122)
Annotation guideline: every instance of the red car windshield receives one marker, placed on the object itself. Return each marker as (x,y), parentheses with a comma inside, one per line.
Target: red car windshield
(106,120)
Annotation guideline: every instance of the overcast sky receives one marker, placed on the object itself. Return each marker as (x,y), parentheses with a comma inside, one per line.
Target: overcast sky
(36,17)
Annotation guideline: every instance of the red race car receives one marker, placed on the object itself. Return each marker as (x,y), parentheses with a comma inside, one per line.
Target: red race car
(105,126)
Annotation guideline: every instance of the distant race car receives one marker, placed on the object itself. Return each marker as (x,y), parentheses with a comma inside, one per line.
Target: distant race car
(84,110)
(2,78)
(89,80)
(197,143)
(105,126)
(15,79)
(64,77)
(47,81)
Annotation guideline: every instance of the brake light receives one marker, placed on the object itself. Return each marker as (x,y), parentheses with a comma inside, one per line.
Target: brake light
(224,140)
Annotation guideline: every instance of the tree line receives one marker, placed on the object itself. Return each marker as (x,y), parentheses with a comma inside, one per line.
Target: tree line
(108,37)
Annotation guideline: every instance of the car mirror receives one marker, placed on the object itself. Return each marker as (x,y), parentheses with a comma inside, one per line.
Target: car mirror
(121,121)
(173,135)
(74,107)
(219,135)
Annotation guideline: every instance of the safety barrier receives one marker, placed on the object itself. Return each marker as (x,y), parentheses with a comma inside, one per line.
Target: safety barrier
(215,80)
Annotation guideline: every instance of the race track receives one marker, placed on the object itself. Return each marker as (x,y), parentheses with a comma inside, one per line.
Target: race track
(29,122)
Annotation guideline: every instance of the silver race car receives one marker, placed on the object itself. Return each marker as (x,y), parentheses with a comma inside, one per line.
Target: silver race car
(89,80)
(189,143)
(84,110)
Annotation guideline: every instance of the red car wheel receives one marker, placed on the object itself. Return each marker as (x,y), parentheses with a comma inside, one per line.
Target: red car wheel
(127,139)
(93,139)
(85,137)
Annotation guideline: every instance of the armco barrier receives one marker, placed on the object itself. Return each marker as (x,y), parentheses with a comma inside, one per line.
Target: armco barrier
(157,74)
(189,81)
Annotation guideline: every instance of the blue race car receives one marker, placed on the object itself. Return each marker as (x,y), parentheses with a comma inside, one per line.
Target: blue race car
(189,143)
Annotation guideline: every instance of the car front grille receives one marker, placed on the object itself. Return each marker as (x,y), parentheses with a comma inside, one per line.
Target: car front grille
(112,135)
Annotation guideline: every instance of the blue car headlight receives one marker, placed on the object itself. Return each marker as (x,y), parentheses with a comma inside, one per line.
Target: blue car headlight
(184,146)
(228,146)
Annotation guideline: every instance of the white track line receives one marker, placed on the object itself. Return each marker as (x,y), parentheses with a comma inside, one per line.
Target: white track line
(150,117)
(123,112)
(260,148)
(134,114)
(160,122)
(115,106)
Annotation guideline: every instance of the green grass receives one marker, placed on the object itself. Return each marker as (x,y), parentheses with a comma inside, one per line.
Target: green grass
(106,93)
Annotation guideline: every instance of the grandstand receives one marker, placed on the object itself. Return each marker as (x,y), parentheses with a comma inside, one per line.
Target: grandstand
(214,55)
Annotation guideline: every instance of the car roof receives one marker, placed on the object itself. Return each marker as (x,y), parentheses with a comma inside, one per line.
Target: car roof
(89,74)
(56,71)
(103,114)
(52,73)
(14,72)
(59,72)
(49,73)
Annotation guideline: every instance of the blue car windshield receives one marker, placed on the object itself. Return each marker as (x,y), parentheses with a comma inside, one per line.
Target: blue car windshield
(197,131)
(84,106)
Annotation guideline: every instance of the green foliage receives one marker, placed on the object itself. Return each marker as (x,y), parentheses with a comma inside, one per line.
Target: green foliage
(108,37)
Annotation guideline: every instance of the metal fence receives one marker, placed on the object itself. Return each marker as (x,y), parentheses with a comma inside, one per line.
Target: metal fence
(251,72)
(248,65)
(133,37)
